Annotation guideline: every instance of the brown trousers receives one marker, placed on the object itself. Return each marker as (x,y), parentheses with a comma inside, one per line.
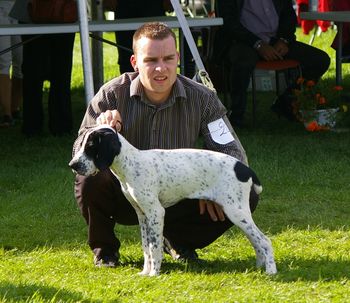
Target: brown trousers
(103,205)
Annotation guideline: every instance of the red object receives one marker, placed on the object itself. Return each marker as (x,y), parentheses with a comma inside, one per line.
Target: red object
(308,25)
(277,64)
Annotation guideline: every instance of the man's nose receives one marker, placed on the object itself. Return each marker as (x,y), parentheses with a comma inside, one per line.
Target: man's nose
(160,66)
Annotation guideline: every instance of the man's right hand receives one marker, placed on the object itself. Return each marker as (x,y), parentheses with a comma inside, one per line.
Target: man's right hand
(111,118)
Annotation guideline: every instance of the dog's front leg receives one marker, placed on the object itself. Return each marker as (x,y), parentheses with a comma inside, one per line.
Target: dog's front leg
(145,245)
(155,221)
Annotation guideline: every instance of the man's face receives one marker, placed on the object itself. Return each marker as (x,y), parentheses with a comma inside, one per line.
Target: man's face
(156,61)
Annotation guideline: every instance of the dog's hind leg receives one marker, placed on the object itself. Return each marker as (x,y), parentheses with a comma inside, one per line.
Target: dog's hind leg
(262,244)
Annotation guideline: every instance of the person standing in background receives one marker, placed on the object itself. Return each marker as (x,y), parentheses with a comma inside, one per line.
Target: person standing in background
(46,57)
(124,9)
(10,87)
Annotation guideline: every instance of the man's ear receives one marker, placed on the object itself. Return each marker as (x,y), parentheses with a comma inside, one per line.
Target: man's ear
(133,63)
(108,148)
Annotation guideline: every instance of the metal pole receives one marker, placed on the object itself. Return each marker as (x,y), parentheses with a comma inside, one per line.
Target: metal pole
(86,55)
(97,46)
(187,33)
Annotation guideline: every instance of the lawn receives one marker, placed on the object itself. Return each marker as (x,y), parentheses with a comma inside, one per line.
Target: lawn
(304,209)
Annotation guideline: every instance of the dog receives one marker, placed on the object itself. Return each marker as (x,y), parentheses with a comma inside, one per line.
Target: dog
(155,179)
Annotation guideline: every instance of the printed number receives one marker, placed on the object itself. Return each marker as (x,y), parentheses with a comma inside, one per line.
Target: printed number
(223,128)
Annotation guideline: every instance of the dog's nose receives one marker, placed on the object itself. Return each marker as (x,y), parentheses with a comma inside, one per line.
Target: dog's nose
(75,165)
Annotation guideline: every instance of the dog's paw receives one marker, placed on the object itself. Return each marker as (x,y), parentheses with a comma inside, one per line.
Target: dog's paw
(154,273)
(143,273)
(149,274)
(271,268)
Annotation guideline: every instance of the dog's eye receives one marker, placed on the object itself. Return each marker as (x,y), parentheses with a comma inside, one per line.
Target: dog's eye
(91,146)
(90,149)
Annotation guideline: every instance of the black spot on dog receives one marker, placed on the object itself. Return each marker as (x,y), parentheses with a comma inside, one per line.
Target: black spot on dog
(102,146)
(243,173)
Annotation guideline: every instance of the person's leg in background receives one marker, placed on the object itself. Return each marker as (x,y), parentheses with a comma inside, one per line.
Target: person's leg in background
(35,54)
(17,78)
(5,83)
(314,62)
(5,64)
(124,39)
(133,9)
(59,103)
(242,60)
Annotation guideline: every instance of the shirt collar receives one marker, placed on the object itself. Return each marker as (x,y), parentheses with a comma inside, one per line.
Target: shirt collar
(177,93)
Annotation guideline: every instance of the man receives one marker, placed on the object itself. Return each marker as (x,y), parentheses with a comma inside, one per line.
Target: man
(261,30)
(154,107)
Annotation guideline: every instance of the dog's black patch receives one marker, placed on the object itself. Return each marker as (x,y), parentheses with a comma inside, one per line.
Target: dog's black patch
(243,173)
(102,146)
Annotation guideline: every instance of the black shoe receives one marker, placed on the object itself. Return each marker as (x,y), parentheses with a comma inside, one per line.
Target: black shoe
(6,121)
(106,261)
(284,106)
(181,254)
(16,115)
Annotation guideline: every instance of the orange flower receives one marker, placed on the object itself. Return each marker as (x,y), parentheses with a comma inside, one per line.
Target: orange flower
(322,100)
(312,126)
(338,88)
(310,83)
(300,80)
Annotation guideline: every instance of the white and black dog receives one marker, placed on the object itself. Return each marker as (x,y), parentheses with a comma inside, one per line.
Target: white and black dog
(155,179)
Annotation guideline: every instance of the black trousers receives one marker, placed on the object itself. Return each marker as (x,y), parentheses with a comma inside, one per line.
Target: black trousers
(242,58)
(103,205)
(48,57)
(133,9)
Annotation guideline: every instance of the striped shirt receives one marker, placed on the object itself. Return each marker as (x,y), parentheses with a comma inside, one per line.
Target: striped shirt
(177,123)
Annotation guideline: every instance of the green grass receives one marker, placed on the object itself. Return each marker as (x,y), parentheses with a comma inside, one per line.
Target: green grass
(304,209)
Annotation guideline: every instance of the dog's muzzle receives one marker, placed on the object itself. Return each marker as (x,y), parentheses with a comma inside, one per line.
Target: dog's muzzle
(77,166)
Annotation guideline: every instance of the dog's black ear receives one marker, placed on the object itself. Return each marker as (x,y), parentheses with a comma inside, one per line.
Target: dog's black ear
(103,147)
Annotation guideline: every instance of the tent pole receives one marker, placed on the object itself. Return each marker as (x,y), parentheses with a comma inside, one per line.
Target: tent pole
(86,54)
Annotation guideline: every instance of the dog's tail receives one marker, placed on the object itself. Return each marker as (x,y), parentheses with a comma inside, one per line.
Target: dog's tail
(256,184)
(244,173)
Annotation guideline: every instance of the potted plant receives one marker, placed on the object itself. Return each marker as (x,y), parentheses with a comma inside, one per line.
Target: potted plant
(317,104)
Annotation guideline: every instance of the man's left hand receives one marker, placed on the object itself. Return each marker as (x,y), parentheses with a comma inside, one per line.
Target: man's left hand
(281,47)
(214,210)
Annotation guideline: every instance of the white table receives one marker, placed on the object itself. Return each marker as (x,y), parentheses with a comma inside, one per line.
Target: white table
(104,26)
(339,17)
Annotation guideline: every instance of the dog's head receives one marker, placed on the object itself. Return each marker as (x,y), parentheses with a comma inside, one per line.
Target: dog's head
(99,148)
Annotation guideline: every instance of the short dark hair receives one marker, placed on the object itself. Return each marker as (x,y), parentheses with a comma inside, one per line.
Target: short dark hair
(154,31)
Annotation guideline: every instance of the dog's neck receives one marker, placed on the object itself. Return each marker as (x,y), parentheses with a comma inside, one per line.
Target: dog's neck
(120,166)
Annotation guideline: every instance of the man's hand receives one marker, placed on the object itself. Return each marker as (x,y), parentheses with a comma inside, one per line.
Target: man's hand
(214,210)
(269,53)
(281,47)
(111,118)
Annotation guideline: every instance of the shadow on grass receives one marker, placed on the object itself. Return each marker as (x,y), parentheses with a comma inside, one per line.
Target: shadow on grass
(289,270)
(37,292)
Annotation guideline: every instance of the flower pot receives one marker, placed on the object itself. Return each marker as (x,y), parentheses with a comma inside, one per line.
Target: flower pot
(320,119)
